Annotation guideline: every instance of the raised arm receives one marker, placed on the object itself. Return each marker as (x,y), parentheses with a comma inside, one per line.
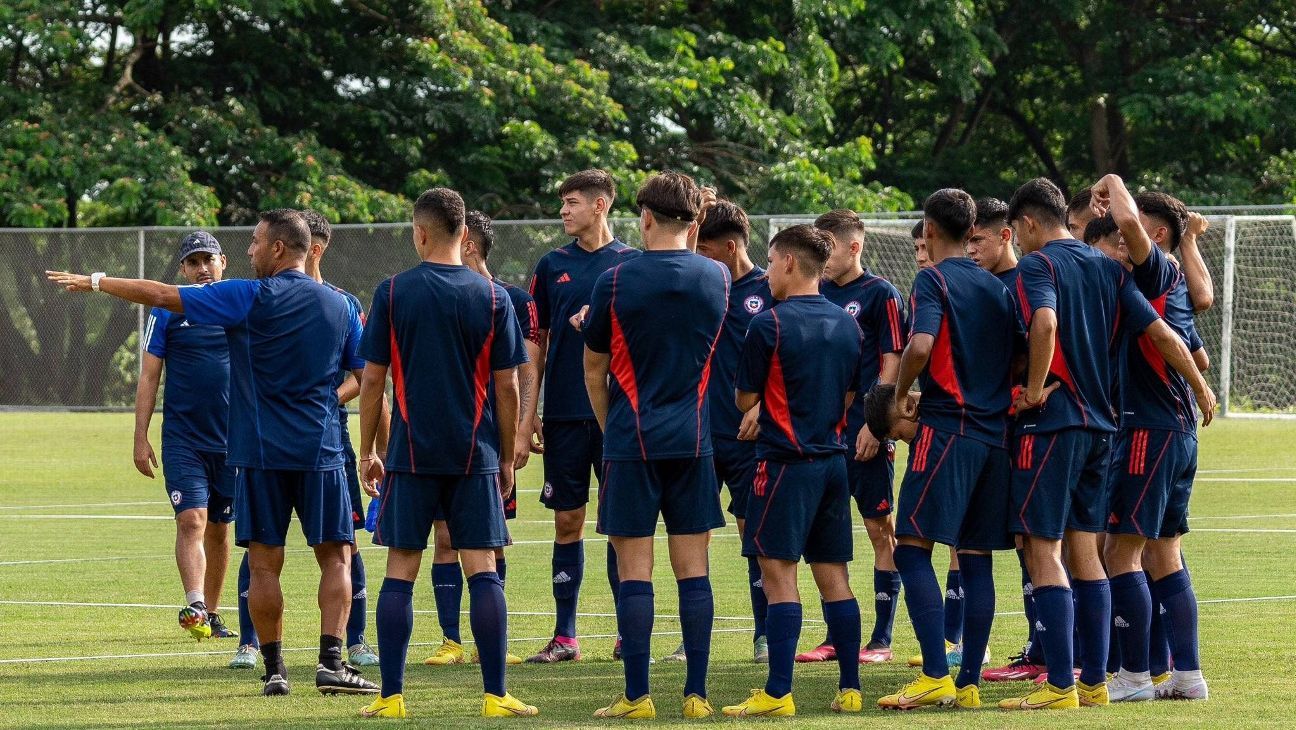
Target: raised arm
(1201,288)
(139,291)
(1111,196)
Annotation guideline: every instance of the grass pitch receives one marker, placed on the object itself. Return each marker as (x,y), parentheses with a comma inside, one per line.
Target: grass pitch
(88,583)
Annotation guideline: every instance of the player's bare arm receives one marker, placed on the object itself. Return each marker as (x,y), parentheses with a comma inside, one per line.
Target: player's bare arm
(145,401)
(1111,195)
(597,366)
(1041,341)
(916,355)
(1201,288)
(866,444)
(373,381)
(535,437)
(1177,356)
(747,403)
(349,390)
(139,291)
(528,387)
(507,401)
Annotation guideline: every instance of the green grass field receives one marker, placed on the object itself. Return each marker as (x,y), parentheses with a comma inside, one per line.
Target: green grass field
(88,635)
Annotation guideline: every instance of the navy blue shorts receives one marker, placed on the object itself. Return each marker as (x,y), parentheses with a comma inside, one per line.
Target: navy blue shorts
(573,451)
(735,465)
(683,491)
(872,482)
(1152,476)
(199,480)
(510,508)
(955,492)
(800,509)
(471,504)
(266,499)
(1059,482)
(353,482)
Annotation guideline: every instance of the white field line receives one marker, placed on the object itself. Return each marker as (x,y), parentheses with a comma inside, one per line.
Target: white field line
(168,518)
(1243,529)
(1246,470)
(93,504)
(1281,480)
(1241,517)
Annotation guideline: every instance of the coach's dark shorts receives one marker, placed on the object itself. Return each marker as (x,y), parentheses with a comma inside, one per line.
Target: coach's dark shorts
(573,451)
(1059,482)
(955,492)
(735,466)
(683,491)
(353,482)
(266,499)
(1151,480)
(800,509)
(871,482)
(199,480)
(473,509)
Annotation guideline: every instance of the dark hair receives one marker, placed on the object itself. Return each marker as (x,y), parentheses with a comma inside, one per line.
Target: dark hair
(840,222)
(724,220)
(287,225)
(810,247)
(952,210)
(877,409)
(1168,209)
(1079,202)
(1041,199)
(917,231)
(1099,228)
(442,207)
(991,212)
(672,198)
(480,223)
(596,182)
(319,226)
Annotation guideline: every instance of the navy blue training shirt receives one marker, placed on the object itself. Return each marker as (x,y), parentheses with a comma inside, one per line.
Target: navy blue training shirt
(288,337)
(1154,394)
(966,386)
(343,374)
(748,296)
(195,397)
(443,330)
(561,285)
(879,311)
(1095,301)
(524,307)
(659,315)
(802,357)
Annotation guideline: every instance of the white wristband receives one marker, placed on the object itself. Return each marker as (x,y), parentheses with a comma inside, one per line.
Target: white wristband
(94,279)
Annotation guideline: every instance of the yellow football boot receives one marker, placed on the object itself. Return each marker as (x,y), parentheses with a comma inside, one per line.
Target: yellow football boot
(916,659)
(623,709)
(1095,696)
(696,707)
(761,704)
(1045,697)
(969,697)
(506,706)
(450,652)
(847,700)
(391,707)
(922,692)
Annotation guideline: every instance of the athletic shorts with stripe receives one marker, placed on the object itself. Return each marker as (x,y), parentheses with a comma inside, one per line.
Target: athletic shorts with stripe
(1059,482)
(1151,481)
(800,510)
(735,464)
(872,482)
(683,491)
(473,509)
(955,492)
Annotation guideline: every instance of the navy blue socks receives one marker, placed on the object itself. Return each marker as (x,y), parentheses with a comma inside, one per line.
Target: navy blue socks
(843,619)
(756,588)
(246,630)
(886,593)
(1131,619)
(953,607)
(635,612)
(1175,592)
(697,614)
(1094,622)
(926,610)
(355,627)
(488,616)
(784,627)
(447,588)
(1055,614)
(568,571)
(394,617)
(978,614)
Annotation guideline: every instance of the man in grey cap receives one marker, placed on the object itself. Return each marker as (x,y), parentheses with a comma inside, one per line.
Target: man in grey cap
(194,414)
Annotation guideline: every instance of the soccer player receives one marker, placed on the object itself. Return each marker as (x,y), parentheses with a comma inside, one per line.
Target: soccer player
(879,311)
(724,236)
(800,364)
(569,437)
(920,246)
(195,410)
(1153,464)
(446,334)
(1079,212)
(288,336)
(1074,301)
(652,329)
(447,578)
(955,491)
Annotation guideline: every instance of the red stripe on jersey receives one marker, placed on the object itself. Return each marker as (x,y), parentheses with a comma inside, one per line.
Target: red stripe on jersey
(623,365)
(893,318)
(1031,492)
(775,397)
(481,376)
(942,364)
(398,372)
(1023,301)
(1151,355)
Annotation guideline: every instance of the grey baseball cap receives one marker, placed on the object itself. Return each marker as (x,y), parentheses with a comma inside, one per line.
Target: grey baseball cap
(198,242)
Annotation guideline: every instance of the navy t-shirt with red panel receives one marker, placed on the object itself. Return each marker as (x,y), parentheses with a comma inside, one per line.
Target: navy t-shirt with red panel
(443,330)
(1155,396)
(659,316)
(879,311)
(560,286)
(966,386)
(803,357)
(1095,301)
(749,295)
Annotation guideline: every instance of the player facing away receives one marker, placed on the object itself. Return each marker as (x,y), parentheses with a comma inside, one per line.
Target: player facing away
(446,334)
(878,309)
(569,437)
(724,236)
(955,491)
(194,414)
(288,337)
(800,365)
(447,578)
(650,335)
(1154,460)
(1075,302)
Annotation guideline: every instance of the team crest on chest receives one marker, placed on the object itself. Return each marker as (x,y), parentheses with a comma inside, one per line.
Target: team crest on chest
(754,304)
(852,308)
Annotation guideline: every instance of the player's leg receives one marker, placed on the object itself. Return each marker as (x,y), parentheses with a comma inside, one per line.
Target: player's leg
(886,588)
(566,492)
(447,589)
(191,525)
(359,653)
(250,645)
(1029,664)
(735,463)
(265,603)
(829,546)
(953,601)
(216,548)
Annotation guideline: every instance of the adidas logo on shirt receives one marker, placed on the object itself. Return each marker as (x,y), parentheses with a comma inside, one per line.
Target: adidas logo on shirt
(564,278)
(1120,623)
(562,577)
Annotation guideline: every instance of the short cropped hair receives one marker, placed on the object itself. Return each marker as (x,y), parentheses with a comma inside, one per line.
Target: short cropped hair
(952,210)
(877,409)
(440,207)
(319,226)
(1041,199)
(287,225)
(917,231)
(810,247)
(1099,228)
(672,198)
(991,213)
(841,222)
(591,182)
(725,220)
(1168,209)
(480,224)
(1079,202)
